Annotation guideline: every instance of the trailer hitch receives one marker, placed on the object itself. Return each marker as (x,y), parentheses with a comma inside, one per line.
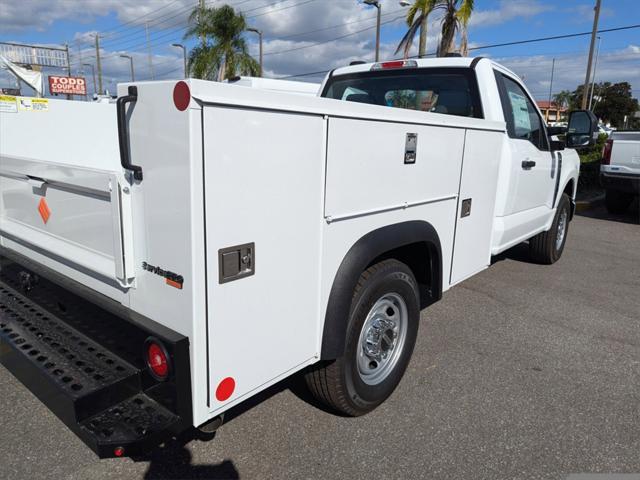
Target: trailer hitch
(123,134)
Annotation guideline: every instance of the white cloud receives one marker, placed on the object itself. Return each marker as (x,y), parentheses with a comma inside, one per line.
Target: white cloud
(508,10)
(570,69)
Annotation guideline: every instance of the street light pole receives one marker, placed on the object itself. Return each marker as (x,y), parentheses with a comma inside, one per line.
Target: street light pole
(133,77)
(595,67)
(376,3)
(93,73)
(585,89)
(259,32)
(184,57)
(553,67)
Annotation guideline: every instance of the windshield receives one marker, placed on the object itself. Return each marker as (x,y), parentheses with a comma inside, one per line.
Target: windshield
(451,91)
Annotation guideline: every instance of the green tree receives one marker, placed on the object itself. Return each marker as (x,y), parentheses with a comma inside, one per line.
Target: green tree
(223,51)
(417,18)
(562,98)
(457,14)
(611,102)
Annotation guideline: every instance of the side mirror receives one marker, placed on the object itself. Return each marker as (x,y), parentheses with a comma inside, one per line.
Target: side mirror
(582,130)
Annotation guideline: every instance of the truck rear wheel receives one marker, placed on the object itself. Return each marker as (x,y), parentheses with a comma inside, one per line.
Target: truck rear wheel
(381,333)
(616,201)
(547,247)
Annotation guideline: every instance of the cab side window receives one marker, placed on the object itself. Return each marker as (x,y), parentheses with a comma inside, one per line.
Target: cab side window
(523,120)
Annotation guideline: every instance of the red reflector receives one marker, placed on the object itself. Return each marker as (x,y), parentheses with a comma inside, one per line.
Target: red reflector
(118,451)
(157,361)
(225,389)
(606,152)
(181,96)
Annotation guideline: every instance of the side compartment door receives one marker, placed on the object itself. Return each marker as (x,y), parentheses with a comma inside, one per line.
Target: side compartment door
(531,160)
(476,203)
(264,181)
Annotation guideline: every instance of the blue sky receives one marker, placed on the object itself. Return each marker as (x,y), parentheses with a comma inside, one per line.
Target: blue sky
(290,51)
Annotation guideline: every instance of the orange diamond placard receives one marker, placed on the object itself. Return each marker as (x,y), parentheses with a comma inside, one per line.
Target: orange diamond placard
(43,208)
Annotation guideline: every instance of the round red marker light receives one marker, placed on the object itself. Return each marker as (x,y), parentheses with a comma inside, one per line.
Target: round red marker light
(225,389)
(118,451)
(181,96)
(157,361)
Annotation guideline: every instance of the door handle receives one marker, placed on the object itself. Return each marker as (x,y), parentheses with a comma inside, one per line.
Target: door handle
(123,135)
(528,164)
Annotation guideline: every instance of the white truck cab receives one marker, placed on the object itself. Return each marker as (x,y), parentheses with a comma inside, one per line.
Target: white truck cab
(198,242)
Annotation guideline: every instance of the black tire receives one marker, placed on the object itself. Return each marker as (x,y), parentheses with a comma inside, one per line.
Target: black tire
(616,201)
(338,383)
(543,248)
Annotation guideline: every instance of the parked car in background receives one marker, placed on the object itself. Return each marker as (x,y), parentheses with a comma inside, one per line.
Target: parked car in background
(620,170)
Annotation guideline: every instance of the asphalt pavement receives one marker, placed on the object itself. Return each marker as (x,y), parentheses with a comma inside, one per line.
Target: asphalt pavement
(523,371)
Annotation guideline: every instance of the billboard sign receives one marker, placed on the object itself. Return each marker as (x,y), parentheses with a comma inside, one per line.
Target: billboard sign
(67,85)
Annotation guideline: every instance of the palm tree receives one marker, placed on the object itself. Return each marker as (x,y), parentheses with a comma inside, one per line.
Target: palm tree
(417,17)
(222,52)
(456,18)
(562,98)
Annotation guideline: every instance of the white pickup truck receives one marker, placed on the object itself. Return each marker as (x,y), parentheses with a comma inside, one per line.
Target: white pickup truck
(620,170)
(168,257)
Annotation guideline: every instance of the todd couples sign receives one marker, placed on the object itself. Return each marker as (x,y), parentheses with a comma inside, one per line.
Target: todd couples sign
(67,85)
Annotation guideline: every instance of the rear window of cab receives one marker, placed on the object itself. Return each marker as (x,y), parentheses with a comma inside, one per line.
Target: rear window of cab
(451,91)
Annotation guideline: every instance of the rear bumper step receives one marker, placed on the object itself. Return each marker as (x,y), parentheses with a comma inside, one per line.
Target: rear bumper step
(103,398)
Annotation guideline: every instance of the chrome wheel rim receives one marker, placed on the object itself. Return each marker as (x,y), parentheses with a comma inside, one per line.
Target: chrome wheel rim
(382,338)
(562,228)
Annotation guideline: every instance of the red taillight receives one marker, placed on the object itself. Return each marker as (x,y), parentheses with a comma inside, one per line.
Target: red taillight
(606,152)
(157,360)
(118,451)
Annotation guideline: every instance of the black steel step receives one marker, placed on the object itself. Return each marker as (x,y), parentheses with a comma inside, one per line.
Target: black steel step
(95,392)
(61,363)
(129,428)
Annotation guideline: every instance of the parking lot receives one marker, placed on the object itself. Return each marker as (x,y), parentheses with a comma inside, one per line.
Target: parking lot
(523,371)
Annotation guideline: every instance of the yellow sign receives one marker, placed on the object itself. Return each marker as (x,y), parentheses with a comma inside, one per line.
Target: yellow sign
(33,104)
(8,104)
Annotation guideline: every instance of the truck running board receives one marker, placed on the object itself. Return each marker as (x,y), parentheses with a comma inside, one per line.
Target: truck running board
(96,393)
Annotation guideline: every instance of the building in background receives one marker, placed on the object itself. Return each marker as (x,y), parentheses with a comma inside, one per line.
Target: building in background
(552,112)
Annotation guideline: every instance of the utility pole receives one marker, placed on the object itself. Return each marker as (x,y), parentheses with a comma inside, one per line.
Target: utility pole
(99,65)
(585,89)
(259,32)
(553,66)
(66,50)
(146,28)
(86,98)
(595,67)
(93,73)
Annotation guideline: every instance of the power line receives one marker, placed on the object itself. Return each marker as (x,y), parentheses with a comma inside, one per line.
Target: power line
(135,20)
(517,42)
(331,39)
(304,2)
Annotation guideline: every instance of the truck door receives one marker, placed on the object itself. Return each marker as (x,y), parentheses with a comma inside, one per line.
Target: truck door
(531,159)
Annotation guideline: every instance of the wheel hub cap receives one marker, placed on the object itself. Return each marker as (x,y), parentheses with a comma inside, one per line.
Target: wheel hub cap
(562,228)
(382,338)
